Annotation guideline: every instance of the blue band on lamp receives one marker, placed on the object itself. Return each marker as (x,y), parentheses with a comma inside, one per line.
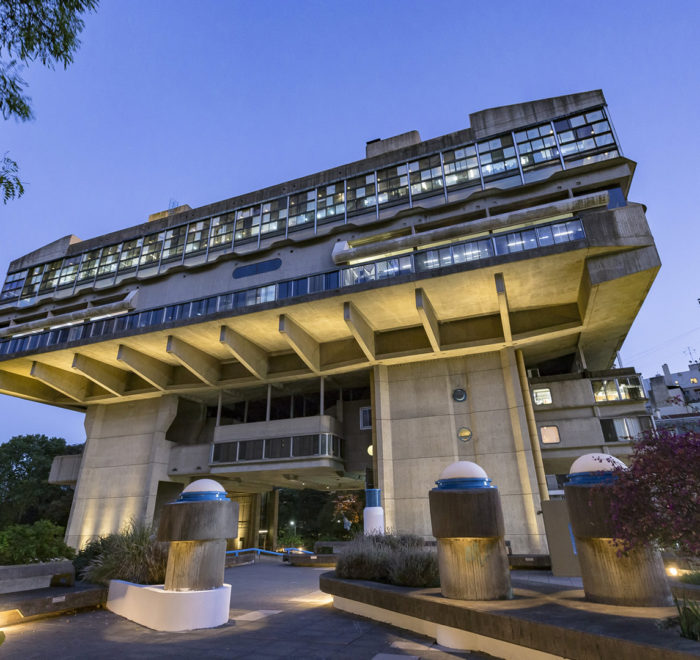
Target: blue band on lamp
(203,496)
(592,478)
(463,484)
(372,497)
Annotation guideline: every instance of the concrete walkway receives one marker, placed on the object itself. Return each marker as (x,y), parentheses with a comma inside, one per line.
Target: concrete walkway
(277,611)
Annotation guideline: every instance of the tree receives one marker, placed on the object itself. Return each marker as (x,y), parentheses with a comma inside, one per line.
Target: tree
(656,500)
(31,30)
(25,493)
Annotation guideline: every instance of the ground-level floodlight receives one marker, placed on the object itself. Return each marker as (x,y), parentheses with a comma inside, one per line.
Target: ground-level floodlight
(636,578)
(467,520)
(373,513)
(194,596)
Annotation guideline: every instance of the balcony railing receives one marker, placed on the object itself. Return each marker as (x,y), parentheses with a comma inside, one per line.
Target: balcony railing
(278,449)
(423,261)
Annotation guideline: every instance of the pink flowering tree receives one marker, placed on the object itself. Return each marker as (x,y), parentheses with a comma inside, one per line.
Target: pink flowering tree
(656,500)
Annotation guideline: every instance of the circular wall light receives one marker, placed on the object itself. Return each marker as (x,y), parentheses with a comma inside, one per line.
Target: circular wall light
(459,395)
(464,434)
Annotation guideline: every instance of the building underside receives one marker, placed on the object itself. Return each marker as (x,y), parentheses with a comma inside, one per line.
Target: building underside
(331,348)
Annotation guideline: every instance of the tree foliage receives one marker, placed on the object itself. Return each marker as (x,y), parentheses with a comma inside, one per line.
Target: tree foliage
(25,493)
(656,500)
(44,31)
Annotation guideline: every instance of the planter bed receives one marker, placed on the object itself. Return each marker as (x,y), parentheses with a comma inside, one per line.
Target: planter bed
(24,577)
(542,622)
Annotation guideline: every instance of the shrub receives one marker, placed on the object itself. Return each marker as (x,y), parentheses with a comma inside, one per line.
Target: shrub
(394,558)
(689,618)
(133,554)
(690,578)
(26,544)
(414,567)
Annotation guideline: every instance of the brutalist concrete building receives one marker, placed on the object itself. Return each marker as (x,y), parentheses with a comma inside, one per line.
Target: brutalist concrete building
(454,298)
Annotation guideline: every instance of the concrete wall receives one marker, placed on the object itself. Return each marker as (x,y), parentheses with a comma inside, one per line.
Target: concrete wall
(417,422)
(125,457)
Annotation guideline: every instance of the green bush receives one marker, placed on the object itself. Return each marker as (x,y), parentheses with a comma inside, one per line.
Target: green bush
(414,567)
(690,578)
(26,544)
(689,618)
(133,554)
(398,559)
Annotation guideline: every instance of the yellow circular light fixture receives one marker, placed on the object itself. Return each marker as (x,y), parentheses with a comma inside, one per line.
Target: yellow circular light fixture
(464,434)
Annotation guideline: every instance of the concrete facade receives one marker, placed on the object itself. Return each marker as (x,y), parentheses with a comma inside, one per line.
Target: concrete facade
(313,334)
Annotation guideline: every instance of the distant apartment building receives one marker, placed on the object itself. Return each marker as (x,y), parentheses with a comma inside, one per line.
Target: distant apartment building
(674,398)
(365,325)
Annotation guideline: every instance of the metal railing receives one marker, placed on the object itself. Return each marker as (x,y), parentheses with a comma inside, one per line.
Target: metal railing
(277,449)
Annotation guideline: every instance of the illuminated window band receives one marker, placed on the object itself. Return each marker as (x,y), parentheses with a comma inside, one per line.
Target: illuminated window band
(511,159)
(416,262)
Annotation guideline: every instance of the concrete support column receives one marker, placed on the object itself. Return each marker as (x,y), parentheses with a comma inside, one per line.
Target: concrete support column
(273,507)
(125,456)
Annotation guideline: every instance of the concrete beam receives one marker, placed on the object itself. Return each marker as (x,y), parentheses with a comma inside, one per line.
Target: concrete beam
(201,364)
(109,378)
(155,372)
(361,330)
(303,344)
(503,307)
(26,388)
(428,319)
(72,385)
(251,356)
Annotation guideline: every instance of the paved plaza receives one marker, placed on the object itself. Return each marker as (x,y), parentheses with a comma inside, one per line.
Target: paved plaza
(277,611)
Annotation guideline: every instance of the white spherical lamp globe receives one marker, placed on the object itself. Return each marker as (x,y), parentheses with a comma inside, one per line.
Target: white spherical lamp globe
(596,463)
(463,470)
(204,486)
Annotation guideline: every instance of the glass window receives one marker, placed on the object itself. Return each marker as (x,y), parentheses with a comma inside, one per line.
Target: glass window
(305,445)
(393,185)
(150,252)
(302,210)
(584,133)
(498,160)
(49,278)
(278,447)
(13,285)
(537,147)
(256,268)
(247,224)
(174,243)
(274,217)
(549,435)
(542,396)
(365,418)
(221,235)
(330,202)
(461,167)
(426,176)
(361,194)
(605,390)
(197,237)
(129,257)
(630,388)
(69,271)
(88,266)
(108,261)
(250,450)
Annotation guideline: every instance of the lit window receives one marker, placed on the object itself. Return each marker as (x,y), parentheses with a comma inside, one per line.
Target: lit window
(693,381)
(542,396)
(550,435)
(365,418)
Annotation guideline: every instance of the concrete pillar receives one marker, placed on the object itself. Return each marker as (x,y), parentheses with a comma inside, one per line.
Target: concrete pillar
(637,579)
(125,457)
(417,423)
(197,526)
(466,517)
(273,504)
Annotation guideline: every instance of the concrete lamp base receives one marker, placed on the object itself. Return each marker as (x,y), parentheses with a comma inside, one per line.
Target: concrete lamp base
(169,611)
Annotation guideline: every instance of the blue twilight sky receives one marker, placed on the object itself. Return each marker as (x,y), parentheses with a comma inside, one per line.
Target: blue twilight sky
(197,101)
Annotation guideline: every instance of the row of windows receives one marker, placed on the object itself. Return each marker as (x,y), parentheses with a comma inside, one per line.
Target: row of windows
(298,446)
(627,388)
(417,262)
(619,429)
(507,160)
